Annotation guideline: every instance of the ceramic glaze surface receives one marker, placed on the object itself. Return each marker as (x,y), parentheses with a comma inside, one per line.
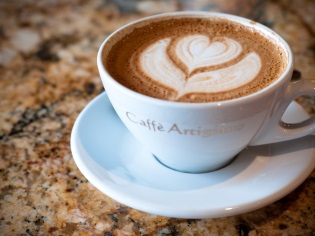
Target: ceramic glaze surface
(127,172)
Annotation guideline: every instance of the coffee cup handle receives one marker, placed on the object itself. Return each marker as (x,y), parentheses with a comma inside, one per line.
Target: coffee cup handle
(276,130)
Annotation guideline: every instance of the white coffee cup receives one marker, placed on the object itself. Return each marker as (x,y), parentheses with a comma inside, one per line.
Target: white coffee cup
(201,137)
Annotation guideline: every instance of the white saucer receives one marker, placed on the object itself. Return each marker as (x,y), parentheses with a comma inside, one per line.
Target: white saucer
(117,164)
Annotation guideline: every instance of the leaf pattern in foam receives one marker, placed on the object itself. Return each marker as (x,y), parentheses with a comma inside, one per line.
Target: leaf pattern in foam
(157,65)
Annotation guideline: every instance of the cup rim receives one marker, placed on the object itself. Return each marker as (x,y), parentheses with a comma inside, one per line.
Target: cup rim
(269,89)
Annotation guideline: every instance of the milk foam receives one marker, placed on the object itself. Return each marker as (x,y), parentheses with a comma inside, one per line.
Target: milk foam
(159,67)
(192,59)
(197,51)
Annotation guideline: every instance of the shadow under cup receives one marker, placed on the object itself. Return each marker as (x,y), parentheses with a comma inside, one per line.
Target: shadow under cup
(195,137)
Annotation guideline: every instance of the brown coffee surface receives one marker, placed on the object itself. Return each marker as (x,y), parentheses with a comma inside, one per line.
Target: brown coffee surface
(194,59)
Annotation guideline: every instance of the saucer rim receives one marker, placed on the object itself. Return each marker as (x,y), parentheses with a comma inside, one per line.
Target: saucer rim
(168,211)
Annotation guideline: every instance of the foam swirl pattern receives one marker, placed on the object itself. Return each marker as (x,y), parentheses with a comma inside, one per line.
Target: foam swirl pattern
(197,51)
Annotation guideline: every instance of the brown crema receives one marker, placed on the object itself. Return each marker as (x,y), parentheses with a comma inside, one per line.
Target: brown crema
(125,48)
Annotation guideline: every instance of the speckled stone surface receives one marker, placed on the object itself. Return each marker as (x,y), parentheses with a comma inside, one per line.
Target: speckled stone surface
(48,74)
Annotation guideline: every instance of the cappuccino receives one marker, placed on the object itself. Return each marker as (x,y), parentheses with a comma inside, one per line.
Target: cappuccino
(194,59)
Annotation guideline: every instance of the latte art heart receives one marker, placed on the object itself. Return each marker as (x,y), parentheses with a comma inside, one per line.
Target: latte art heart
(196,51)
(194,59)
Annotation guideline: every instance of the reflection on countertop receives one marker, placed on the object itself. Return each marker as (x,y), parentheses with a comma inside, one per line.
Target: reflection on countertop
(48,74)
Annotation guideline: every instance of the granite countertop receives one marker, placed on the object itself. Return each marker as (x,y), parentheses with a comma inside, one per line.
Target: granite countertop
(48,74)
